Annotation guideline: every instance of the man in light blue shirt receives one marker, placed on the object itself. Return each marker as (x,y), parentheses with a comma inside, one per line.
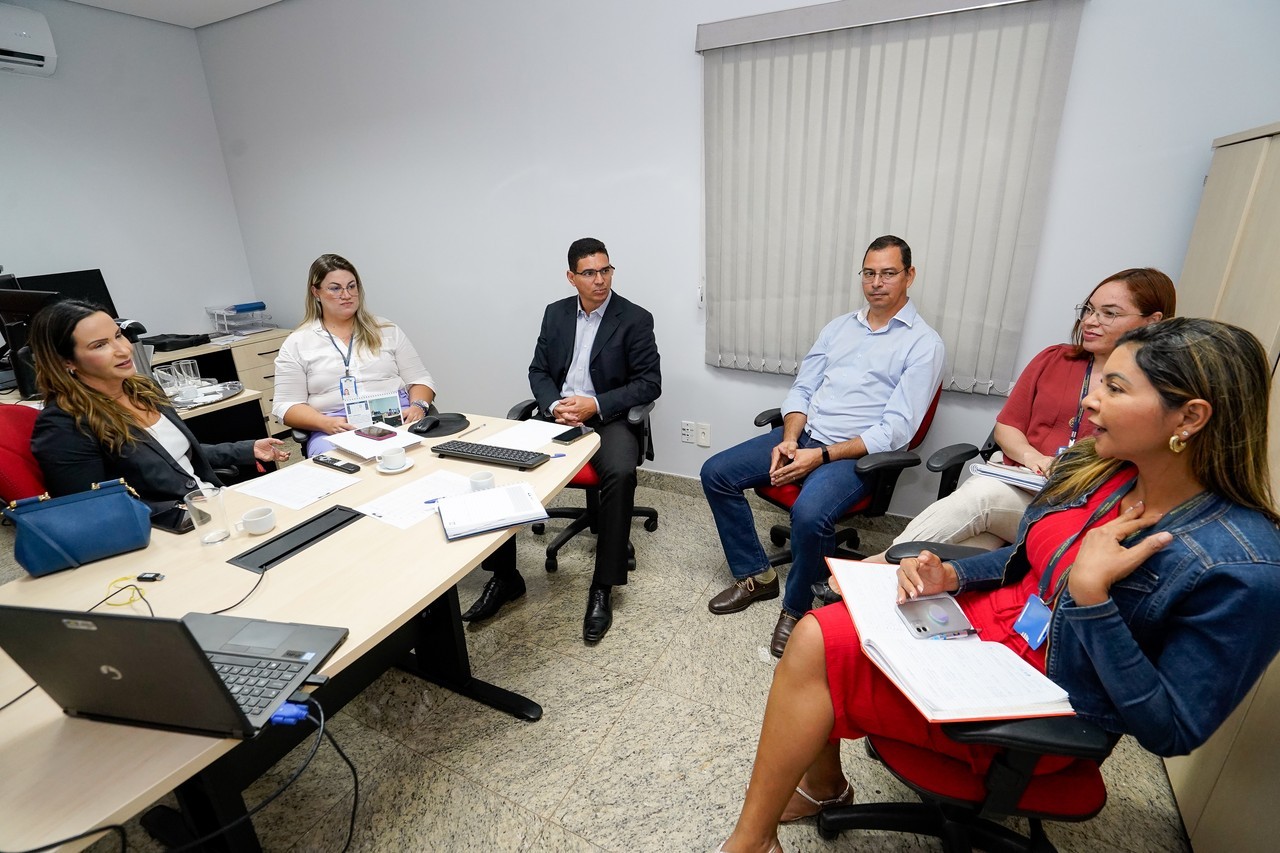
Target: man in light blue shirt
(865,387)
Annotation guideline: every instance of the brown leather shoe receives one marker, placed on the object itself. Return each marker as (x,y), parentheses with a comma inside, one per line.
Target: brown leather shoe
(782,633)
(741,594)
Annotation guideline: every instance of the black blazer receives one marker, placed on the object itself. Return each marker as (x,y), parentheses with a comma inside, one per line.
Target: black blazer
(72,460)
(624,358)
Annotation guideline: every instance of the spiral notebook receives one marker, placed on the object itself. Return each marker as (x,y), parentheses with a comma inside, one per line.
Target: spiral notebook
(490,509)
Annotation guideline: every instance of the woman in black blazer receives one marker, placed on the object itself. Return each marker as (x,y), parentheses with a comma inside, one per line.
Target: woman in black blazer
(102,421)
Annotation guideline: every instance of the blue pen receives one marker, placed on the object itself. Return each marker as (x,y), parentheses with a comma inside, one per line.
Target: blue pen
(430,502)
(557,455)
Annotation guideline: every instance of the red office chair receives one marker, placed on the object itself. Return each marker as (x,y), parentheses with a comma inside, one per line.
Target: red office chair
(583,518)
(20,475)
(962,808)
(879,471)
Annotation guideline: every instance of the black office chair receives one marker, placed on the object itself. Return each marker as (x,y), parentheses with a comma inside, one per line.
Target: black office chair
(949,461)
(963,808)
(583,518)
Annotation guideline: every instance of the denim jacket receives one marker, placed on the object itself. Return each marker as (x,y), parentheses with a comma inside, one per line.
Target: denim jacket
(1180,641)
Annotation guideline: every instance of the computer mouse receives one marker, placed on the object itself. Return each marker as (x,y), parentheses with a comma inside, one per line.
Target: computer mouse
(424,425)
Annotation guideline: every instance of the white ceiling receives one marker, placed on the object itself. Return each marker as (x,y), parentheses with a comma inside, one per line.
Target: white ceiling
(186,13)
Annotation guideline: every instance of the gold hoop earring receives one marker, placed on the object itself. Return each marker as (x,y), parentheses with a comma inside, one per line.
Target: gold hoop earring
(1178,444)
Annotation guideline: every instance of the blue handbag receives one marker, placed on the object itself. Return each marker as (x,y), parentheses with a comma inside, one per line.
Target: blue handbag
(63,533)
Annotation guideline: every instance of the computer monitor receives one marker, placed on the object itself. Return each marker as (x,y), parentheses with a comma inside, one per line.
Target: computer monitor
(88,285)
(17,307)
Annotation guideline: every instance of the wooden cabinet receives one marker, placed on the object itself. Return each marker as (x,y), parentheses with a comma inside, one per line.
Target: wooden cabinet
(1228,789)
(251,361)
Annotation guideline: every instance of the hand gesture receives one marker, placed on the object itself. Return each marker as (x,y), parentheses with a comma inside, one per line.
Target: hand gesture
(1102,560)
(925,575)
(573,411)
(269,450)
(788,463)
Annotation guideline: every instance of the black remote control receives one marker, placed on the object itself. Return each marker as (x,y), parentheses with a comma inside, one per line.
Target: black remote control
(336,464)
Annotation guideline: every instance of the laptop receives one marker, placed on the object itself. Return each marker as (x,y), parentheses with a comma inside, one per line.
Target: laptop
(210,675)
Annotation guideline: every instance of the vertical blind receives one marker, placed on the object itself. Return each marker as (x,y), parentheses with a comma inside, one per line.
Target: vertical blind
(939,129)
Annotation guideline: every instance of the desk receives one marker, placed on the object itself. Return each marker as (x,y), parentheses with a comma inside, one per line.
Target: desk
(64,775)
(250,361)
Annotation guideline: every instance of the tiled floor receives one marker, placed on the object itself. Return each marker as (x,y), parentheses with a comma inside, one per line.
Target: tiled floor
(646,741)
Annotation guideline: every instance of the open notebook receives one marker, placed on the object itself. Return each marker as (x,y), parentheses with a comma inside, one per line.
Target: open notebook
(947,680)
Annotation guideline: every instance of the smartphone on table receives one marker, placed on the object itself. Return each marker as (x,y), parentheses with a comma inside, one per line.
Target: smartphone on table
(375,432)
(572,434)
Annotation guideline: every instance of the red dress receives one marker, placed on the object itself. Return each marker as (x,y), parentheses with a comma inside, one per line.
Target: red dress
(866,702)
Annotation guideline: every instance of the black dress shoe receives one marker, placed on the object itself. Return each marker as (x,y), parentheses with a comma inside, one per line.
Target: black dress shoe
(823,592)
(497,592)
(599,614)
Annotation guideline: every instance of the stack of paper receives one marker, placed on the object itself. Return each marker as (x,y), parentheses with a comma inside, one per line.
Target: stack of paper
(947,680)
(365,449)
(490,509)
(1023,478)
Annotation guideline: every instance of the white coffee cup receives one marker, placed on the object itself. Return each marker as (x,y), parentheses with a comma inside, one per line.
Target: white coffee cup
(257,521)
(392,460)
(481,481)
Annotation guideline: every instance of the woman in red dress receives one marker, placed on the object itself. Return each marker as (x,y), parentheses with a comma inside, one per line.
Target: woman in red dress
(1155,546)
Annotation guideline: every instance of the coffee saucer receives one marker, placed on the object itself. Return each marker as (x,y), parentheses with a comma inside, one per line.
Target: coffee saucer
(408,463)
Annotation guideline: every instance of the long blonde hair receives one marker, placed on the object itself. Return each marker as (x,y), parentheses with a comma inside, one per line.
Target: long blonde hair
(367,334)
(52,340)
(1187,359)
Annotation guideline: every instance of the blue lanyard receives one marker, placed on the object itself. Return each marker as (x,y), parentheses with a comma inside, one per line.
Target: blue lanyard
(1084,392)
(346,358)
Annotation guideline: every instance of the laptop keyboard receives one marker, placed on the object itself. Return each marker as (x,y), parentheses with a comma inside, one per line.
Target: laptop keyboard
(254,682)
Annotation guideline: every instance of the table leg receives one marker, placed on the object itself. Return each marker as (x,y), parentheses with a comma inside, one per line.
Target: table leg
(440,629)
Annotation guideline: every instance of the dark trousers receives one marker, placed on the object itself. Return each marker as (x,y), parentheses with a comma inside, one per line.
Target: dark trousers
(615,464)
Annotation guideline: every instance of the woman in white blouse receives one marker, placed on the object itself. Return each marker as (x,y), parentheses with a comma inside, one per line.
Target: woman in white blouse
(339,347)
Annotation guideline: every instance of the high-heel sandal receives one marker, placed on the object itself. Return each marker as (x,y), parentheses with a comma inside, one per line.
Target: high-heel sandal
(809,806)
(776,848)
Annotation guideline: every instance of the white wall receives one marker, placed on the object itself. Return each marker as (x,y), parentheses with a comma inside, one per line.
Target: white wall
(453,149)
(113,162)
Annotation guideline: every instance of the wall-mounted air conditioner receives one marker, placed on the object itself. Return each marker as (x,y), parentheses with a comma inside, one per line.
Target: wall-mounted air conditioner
(26,45)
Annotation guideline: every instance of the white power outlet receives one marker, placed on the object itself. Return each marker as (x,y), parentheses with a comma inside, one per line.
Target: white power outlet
(704,435)
(686,432)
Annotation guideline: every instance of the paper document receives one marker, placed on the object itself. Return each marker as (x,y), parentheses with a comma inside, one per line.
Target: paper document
(367,448)
(297,486)
(1020,477)
(526,435)
(947,680)
(415,501)
(491,509)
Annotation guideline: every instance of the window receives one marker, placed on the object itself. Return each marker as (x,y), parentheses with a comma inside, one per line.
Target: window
(939,129)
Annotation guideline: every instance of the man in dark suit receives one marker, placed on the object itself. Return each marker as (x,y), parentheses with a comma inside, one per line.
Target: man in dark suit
(596,358)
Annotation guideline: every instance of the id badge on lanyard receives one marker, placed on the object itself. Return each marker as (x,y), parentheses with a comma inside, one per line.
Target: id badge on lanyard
(347,386)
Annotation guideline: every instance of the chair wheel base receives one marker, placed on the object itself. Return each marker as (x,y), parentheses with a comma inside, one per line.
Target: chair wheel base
(552,565)
(651,524)
(539,528)
(779,535)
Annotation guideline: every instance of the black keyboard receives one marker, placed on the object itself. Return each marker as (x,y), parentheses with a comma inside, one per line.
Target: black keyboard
(508,456)
(255,683)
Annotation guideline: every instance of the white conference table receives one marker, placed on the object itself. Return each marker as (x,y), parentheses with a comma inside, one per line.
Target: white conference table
(62,775)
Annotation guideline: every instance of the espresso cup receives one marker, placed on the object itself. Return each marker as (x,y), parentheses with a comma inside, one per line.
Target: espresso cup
(209,515)
(257,521)
(392,460)
(481,481)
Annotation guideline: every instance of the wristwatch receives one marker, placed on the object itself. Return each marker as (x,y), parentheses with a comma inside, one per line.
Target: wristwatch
(826,455)
(422,404)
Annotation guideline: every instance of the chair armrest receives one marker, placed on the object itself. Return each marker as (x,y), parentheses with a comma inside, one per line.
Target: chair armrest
(771,418)
(1070,736)
(523,410)
(888,460)
(950,462)
(637,414)
(952,454)
(945,552)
